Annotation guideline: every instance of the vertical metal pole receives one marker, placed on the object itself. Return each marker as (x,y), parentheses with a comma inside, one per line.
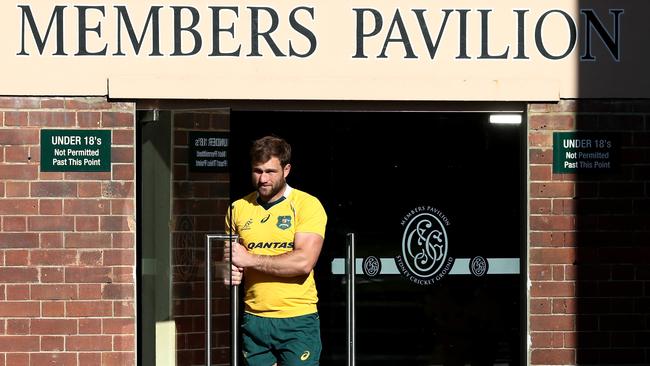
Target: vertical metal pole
(234,302)
(350,260)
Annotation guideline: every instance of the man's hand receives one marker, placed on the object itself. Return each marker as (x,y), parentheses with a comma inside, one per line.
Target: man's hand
(238,255)
(236,272)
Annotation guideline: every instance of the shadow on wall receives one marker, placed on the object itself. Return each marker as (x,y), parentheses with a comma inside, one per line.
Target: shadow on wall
(612,208)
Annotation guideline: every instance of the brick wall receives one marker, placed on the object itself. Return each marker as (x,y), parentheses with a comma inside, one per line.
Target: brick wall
(589,240)
(199,205)
(67,248)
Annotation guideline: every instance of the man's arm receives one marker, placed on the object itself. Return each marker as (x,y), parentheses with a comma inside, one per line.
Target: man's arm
(300,261)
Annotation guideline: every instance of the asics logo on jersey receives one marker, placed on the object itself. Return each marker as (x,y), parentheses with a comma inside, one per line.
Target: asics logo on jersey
(265,219)
(273,245)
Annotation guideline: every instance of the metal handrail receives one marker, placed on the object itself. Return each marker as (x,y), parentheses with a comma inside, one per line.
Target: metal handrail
(350,270)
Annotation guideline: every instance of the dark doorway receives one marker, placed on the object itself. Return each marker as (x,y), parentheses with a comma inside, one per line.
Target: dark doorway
(375,173)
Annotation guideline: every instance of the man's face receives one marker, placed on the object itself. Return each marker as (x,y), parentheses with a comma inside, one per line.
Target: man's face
(269,179)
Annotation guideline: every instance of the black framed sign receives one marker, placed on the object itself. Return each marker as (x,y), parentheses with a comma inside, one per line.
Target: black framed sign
(208,151)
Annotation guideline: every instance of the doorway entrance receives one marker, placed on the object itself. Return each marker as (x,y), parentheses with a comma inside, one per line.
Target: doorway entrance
(431,203)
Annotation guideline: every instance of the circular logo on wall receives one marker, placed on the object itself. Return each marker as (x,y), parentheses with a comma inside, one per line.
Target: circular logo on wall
(425,245)
(478,266)
(371,266)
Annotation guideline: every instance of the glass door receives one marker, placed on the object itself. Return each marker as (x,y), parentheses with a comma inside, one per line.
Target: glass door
(433,204)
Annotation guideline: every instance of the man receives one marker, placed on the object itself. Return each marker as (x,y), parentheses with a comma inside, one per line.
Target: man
(282,231)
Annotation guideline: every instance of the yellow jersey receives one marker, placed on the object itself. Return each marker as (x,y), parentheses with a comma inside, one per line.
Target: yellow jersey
(270,230)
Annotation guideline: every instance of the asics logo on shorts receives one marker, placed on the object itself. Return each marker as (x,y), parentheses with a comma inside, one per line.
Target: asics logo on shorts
(305,356)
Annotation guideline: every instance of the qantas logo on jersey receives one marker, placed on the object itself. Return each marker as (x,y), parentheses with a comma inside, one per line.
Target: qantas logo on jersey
(273,245)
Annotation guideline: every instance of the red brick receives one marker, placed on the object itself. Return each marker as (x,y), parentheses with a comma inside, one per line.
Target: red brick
(53,359)
(86,223)
(124,308)
(540,139)
(553,255)
(552,322)
(18,275)
(19,172)
(18,240)
(122,207)
(90,258)
(123,137)
(51,240)
(90,326)
(88,240)
(52,103)
(17,189)
(15,118)
(16,154)
(117,119)
(19,137)
(88,275)
(553,357)
(14,223)
(90,291)
(2,184)
(18,326)
(51,223)
(558,273)
(119,257)
(539,273)
(551,122)
(119,326)
(52,275)
(53,326)
(552,189)
(54,292)
(540,206)
(540,156)
(17,292)
(52,119)
(565,306)
(16,258)
(89,343)
(123,172)
(50,257)
(123,240)
(117,189)
(51,176)
(122,154)
(88,119)
(546,289)
(86,103)
(19,344)
(89,308)
(540,306)
(54,189)
(19,207)
(118,292)
(115,223)
(87,176)
(53,309)
(50,207)
(18,359)
(123,343)
(52,343)
(546,340)
(90,359)
(90,189)
(122,274)
(86,207)
(552,223)
(19,102)
(118,359)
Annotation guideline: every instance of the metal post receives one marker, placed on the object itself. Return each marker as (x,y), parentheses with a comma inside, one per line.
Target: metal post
(234,302)
(350,270)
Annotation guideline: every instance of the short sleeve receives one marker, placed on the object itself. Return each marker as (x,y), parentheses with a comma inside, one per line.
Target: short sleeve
(311,216)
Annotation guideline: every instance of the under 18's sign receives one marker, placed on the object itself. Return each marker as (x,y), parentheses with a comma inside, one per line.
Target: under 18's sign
(75,150)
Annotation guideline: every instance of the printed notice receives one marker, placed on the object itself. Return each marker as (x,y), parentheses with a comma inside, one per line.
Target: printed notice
(584,152)
(75,150)
(208,151)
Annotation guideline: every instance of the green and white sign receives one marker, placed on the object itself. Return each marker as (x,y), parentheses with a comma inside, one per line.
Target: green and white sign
(75,150)
(584,152)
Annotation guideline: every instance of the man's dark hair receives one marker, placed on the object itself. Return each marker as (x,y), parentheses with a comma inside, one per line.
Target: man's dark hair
(265,148)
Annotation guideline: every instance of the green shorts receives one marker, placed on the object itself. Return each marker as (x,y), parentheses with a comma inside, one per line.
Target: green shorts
(285,341)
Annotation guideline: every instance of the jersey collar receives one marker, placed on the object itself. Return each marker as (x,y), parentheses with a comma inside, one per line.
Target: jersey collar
(267,205)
